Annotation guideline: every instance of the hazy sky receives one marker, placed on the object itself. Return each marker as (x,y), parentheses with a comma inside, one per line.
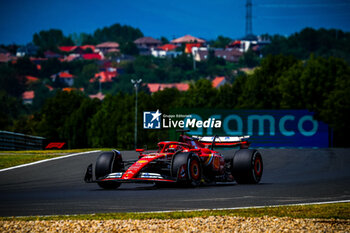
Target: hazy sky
(20,19)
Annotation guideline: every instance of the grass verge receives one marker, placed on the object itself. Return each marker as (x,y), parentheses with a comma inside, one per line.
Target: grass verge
(14,158)
(321,211)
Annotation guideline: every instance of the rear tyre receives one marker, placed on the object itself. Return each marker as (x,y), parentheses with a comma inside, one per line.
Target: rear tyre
(187,169)
(106,163)
(247,166)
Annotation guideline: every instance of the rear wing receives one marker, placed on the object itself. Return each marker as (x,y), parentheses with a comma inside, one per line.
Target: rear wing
(224,141)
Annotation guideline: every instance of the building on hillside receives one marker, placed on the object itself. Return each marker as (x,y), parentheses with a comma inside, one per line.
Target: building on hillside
(167,50)
(147,42)
(31,79)
(71,49)
(104,76)
(218,82)
(5,57)
(71,57)
(254,42)
(187,39)
(27,50)
(108,47)
(69,89)
(88,48)
(99,96)
(154,87)
(190,46)
(228,54)
(64,77)
(28,97)
(92,56)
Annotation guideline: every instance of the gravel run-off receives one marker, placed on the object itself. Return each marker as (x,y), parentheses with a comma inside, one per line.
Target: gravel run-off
(198,224)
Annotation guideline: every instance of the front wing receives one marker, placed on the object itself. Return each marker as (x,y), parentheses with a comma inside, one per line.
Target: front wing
(143,177)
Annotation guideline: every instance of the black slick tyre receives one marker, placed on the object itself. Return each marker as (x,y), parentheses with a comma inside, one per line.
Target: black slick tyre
(247,166)
(186,168)
(106,163)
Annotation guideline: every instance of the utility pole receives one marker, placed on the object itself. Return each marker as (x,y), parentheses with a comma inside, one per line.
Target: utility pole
(136,85)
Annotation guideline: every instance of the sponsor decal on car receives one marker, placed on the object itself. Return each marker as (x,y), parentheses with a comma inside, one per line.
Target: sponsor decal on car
(142,161)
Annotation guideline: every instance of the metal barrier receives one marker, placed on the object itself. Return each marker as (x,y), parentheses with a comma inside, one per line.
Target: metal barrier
(18,141)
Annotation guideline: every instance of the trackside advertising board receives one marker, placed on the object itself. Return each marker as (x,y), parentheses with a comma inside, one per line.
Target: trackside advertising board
(267,128)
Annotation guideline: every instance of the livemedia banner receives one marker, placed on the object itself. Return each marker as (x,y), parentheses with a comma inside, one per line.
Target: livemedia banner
(267,128)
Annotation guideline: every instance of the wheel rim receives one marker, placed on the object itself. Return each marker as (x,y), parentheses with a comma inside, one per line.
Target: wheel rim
(258,167)
(194,170)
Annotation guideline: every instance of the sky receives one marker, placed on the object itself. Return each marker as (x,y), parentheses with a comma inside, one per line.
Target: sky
(20,19)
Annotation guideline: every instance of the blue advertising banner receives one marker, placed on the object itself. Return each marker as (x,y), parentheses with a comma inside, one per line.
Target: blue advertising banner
(267,128)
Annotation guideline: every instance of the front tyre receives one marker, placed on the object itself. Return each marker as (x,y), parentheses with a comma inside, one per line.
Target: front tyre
(187,169)
(106,163)
(247,166)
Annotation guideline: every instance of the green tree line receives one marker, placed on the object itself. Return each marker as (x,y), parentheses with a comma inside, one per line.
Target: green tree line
(281,82)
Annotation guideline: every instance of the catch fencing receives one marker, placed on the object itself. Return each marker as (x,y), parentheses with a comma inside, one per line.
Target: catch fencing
(18,141)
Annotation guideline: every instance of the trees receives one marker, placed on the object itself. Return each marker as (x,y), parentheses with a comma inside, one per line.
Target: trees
(50,39)
(118,33)
(221,42)
(320,42)
(88,72)
(10,82)
(76,126)
(51,118)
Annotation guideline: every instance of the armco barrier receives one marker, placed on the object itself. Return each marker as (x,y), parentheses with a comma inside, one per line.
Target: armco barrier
(18,141)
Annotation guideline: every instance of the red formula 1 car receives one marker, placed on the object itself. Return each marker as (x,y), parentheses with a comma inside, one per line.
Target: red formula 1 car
(189,161)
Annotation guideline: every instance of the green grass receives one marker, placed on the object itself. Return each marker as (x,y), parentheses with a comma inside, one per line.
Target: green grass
(323,211)
(14,158)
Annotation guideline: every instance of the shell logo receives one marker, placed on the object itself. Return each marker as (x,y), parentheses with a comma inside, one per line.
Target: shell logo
(142,161)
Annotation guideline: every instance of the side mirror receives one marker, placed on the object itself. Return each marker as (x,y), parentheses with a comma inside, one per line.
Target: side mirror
(140,150)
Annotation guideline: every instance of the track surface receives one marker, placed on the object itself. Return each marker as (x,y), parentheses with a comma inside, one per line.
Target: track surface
(290,176)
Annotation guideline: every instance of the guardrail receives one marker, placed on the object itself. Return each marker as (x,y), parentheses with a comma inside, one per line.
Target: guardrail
(18,141)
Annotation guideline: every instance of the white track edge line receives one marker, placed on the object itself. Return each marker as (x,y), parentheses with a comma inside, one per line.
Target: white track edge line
(198,210)
(248,207)
(47,160)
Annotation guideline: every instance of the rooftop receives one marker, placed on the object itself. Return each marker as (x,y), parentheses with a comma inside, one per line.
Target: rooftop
(108,44)
(154,87)
(187,39)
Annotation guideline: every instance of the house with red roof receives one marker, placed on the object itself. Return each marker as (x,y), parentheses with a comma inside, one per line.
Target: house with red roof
(85,47)
(218,82)
(168,47)
(71,49)
(154,87)
(190,46)
(31,79)
(92,56)
(64,77)
(167,50)
(28,97)
(104,76)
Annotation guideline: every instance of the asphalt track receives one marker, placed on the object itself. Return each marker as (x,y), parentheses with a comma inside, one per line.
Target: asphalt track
(290,176)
